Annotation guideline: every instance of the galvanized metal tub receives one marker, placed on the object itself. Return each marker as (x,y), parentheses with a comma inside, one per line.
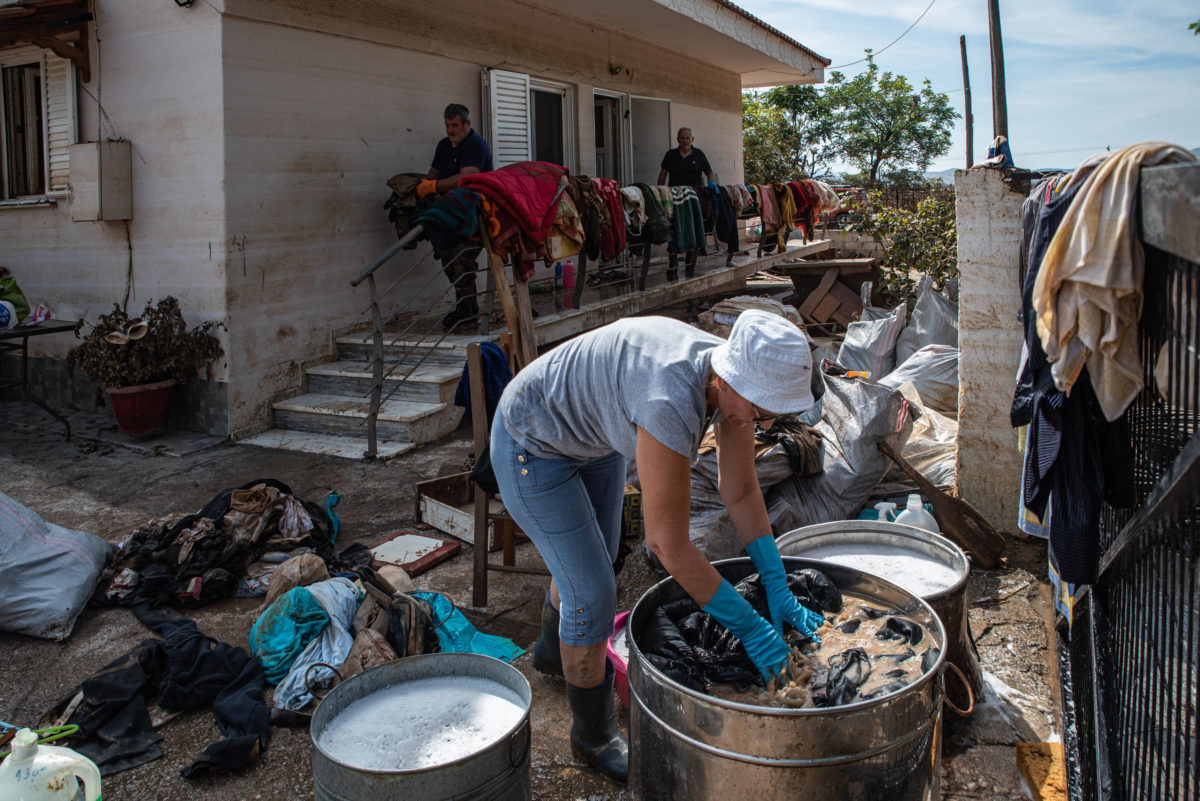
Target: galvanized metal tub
(689,745)
(498,772)
(950,603)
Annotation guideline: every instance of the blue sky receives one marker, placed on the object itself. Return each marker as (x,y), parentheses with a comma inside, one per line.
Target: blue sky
(1081,75)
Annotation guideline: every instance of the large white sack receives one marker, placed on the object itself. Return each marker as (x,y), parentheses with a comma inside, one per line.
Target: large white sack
(47,572)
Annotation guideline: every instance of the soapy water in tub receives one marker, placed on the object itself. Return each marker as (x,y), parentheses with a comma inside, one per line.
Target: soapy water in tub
(918,574)
(422,723)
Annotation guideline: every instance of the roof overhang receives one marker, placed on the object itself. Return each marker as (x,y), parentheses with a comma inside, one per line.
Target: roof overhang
(57,25)
(714,31)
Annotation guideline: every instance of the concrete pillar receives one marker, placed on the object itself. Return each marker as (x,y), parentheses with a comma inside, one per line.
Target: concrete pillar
(585,127)
(989,339)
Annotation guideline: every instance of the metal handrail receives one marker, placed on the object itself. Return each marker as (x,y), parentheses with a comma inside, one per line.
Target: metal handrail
(413,234)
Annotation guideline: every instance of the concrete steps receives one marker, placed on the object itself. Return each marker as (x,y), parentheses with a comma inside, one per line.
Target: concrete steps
(331,417)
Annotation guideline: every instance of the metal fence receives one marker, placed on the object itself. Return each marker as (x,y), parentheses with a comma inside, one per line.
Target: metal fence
(1130,664)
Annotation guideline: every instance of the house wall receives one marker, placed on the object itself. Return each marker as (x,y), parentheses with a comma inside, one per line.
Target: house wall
(156,73)
(988,463)
(325,101)
(263,132)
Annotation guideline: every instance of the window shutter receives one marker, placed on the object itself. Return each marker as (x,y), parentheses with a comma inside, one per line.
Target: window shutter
(60,120)
(508,116)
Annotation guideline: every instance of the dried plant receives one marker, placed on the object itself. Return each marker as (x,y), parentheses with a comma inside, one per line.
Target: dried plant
(165,349)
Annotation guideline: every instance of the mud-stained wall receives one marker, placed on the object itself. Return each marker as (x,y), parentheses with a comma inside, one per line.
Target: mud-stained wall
(263,132)
(317,121)
(156,81)
(989,339)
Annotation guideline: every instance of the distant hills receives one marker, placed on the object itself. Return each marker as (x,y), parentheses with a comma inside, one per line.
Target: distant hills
(947,176)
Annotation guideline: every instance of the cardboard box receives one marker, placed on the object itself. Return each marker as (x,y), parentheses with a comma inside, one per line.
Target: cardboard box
(631,513)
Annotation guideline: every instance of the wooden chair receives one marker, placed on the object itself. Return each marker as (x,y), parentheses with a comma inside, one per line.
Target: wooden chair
(503,526)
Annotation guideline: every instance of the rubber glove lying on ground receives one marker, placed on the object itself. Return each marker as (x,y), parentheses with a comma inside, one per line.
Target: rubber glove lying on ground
(780,600)
(763,645)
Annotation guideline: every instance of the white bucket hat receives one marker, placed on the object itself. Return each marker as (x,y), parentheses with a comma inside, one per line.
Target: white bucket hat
(767,361)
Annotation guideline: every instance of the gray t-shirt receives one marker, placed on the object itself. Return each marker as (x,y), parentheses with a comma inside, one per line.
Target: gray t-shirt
(586,398)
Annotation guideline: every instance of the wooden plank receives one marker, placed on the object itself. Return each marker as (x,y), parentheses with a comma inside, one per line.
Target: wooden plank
(826,309)
(849,304)
(817,295)
(527,340)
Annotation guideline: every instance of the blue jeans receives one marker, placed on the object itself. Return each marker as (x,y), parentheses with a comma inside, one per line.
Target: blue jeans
(571,510)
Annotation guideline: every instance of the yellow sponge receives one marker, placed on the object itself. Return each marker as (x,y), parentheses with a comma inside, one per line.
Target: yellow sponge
(1044,770)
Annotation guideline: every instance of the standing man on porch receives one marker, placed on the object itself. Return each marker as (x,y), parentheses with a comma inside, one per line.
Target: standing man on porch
(683,166)
(461,152)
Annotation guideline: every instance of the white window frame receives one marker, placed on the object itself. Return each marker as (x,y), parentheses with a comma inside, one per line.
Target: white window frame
(626,132)
(59,119)
(509,146)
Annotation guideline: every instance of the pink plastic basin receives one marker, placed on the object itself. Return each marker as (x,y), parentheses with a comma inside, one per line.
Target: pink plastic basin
(620,668)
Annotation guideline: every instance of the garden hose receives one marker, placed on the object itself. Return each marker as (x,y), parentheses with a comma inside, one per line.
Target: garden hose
(45,736)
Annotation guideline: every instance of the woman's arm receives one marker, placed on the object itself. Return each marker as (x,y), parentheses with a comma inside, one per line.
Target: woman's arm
(666,502)
(737,481)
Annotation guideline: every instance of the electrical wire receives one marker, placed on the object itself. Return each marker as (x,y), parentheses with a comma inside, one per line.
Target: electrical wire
(889,44)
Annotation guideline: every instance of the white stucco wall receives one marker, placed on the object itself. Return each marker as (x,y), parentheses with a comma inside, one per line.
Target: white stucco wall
(989,339)
(318,120)
(263,132)
(156,75)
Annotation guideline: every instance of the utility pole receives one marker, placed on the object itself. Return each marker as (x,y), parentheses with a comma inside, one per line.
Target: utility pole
(999,99)
(970,121)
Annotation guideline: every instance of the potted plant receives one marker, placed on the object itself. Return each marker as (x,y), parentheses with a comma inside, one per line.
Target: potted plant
(138,360)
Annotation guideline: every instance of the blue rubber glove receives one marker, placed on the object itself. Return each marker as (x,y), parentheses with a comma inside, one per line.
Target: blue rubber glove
(713,186)
(762,642)
(780,600)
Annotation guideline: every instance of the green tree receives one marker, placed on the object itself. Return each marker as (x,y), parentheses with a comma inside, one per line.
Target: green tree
(763,152)
(883,126)
(808,140)
(918,242)
(1195,28)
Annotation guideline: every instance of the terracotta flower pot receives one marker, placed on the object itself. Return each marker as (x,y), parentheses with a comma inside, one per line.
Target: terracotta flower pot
(142,409)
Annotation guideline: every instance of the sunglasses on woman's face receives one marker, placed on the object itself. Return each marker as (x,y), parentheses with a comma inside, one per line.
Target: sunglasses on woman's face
(761,416)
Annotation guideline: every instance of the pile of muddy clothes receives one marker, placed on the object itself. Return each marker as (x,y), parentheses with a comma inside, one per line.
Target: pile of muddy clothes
(230,547)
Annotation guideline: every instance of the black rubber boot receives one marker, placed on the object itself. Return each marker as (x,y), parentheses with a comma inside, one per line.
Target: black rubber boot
(672,267)
(595,736)
(689,267)
(466,309)
(547,658)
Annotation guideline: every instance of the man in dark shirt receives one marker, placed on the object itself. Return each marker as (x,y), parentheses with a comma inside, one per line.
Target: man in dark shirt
(461,152)
(683,166)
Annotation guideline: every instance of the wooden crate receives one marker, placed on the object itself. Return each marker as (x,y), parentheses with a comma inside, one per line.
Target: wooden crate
(448,504)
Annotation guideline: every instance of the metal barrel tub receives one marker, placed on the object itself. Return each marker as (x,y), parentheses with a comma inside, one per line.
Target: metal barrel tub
(689,745)
(950,602)
(497,772)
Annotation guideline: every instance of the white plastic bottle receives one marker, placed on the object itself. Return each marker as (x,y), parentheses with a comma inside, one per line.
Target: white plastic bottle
(914,515)
(34,772)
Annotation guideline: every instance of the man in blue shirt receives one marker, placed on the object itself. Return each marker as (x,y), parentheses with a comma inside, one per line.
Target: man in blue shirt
(461,152)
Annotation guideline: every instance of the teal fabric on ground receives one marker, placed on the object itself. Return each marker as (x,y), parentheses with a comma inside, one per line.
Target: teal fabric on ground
(332,500)
(456,634)
(282,631)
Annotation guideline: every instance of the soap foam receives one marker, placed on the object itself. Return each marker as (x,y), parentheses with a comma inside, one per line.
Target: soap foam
(919,574)
(422,723)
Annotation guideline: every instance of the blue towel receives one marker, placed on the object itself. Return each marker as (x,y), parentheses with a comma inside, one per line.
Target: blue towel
(496,375)
(282,631)
(456,634)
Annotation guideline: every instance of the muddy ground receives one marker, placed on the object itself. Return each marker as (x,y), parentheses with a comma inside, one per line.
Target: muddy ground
(108,484)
